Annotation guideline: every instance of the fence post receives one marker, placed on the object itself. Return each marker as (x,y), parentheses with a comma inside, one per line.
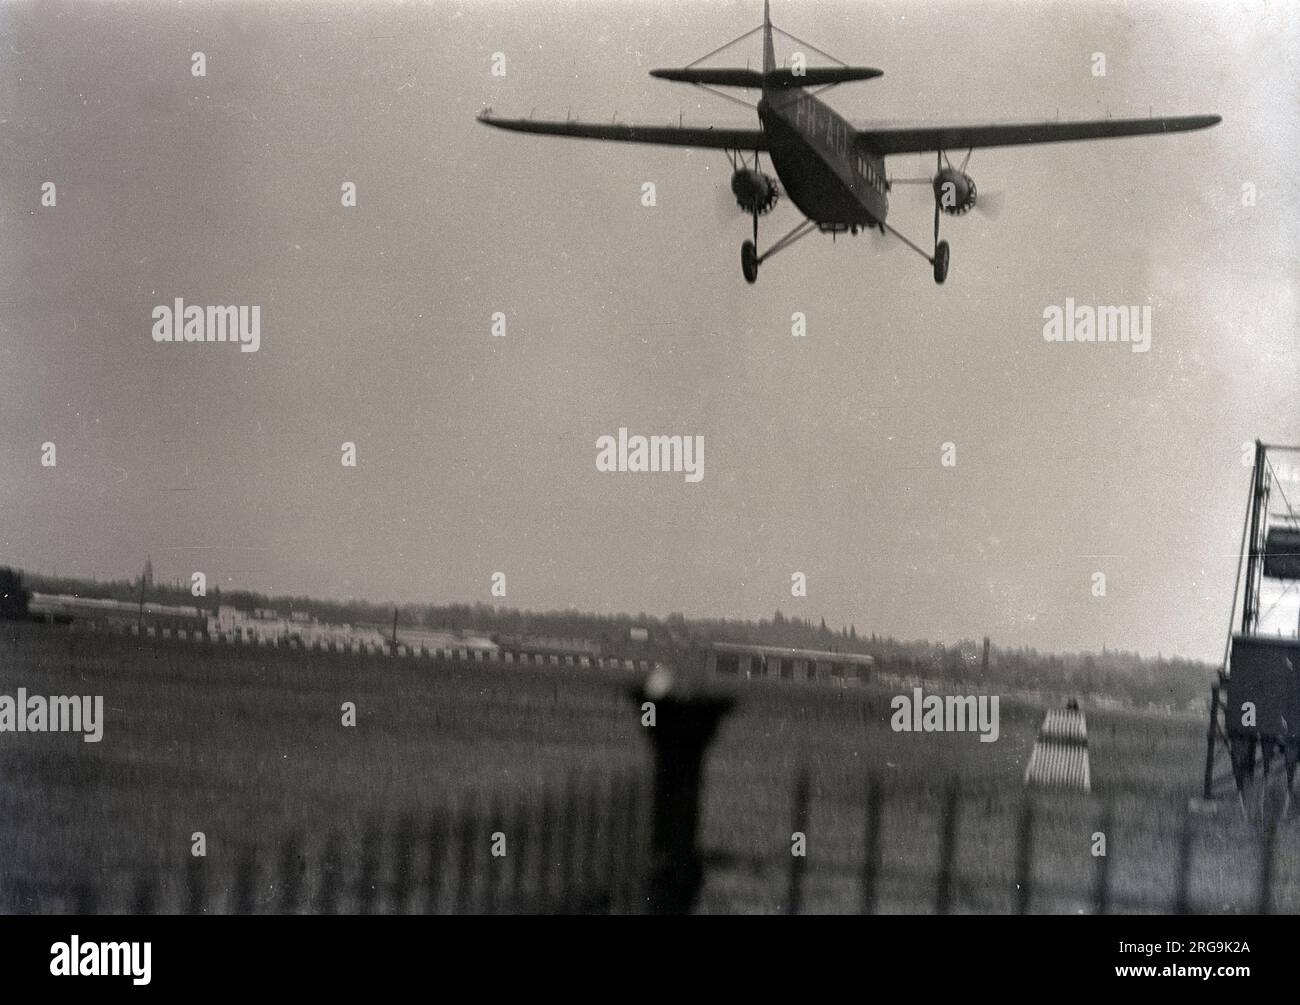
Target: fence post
(290,876)
(1266,870)
(87,901)
(684,726)
(798,825)
(1101,888)
(368,880)
(520,843)
(1184,866)
(195,887)
(595,841)
(1210,737)
(403,878)
(496,867)
(331,877)
(437,852)
(631,873)
(947,850)
(465,857)
(546,844)
(1025,855)
(612,877)
(146,901)
(244,901)
(871,850)
(570,846)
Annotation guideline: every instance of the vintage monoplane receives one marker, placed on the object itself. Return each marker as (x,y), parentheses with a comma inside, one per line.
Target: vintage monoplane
(833,172)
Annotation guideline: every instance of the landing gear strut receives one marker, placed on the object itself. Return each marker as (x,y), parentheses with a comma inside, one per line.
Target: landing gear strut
(939,260)
(750,259)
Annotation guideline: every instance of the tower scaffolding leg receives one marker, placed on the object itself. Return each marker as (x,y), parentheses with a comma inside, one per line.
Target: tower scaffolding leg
(1211,736)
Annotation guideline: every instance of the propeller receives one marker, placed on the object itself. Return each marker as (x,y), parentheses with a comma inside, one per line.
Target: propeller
(725,209)
(991,204)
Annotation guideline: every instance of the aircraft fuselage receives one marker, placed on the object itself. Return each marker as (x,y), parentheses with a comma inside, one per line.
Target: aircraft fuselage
(833,180)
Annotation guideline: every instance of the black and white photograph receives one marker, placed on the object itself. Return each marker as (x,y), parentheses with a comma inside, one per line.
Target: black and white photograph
(649,458)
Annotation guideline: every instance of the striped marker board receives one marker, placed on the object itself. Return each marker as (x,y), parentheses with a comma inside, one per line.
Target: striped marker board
(1060,756)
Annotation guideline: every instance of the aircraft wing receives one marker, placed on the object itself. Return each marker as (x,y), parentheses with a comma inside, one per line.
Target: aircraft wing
(920,140)
(678,136)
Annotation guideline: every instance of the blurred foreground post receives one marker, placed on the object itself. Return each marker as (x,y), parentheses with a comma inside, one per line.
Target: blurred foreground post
(1207,791)
(798,826)
(684,725)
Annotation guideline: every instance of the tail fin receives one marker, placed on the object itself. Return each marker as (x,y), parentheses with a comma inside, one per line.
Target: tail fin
(769,53)
(771,76)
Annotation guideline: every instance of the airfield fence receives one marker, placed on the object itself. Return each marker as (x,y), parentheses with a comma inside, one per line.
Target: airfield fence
(1051,859)
(583,850)
(576,850)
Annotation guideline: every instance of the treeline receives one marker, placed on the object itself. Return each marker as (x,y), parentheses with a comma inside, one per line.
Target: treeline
(1127,676)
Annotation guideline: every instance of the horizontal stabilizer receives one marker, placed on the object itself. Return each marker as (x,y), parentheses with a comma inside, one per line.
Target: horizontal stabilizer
(811,76)
(718,76)
(816,76)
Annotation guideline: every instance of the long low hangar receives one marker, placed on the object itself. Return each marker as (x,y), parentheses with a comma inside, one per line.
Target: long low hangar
(736,659)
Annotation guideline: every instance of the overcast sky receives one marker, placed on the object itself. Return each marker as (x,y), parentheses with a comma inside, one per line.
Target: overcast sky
(477,454)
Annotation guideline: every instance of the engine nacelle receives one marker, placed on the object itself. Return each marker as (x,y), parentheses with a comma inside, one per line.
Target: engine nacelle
(755,192)
(954,191)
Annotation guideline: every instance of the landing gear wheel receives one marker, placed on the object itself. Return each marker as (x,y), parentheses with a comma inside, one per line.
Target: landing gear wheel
(749,261)
(941,262)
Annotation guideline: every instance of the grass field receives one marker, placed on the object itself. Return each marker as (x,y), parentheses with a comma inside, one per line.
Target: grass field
(246,745)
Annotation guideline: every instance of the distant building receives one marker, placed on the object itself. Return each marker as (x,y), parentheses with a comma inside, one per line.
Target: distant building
(733,659)
(265,624)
